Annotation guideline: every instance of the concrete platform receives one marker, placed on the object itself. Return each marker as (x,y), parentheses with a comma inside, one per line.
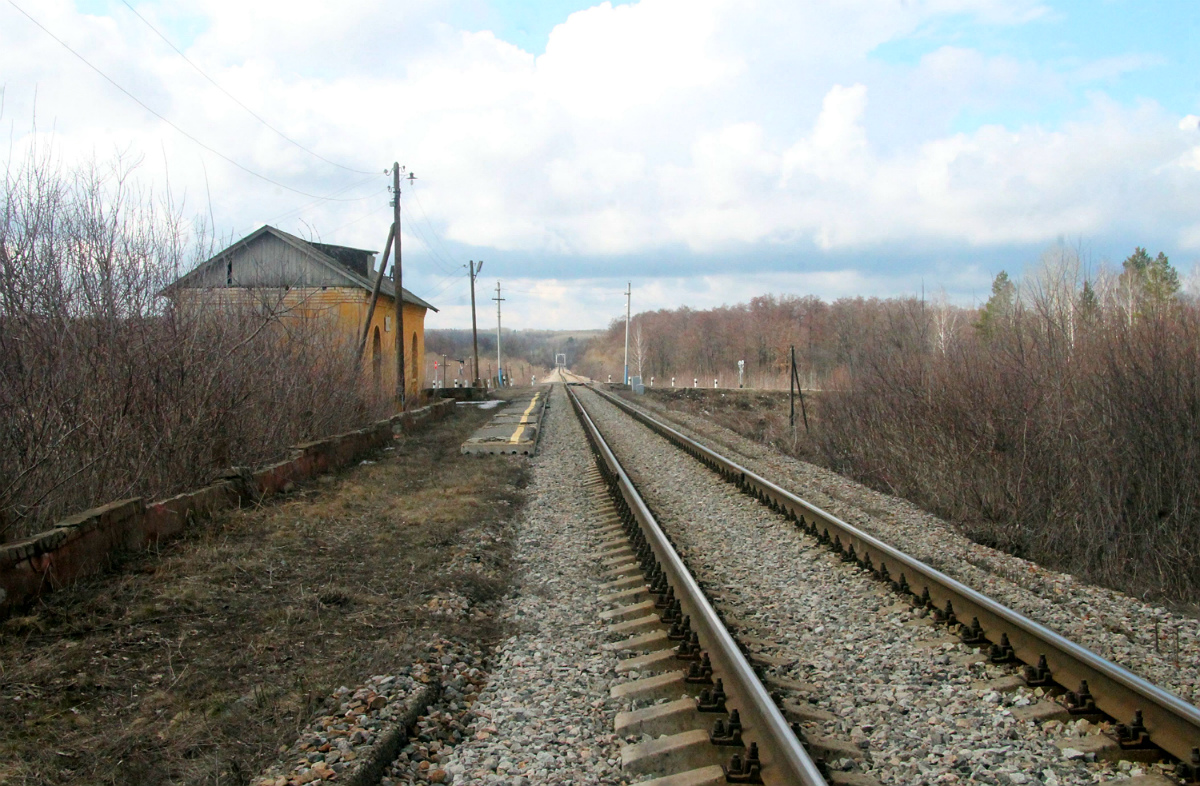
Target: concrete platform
(512,430)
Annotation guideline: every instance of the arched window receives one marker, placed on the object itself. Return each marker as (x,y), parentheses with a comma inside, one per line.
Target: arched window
(377,359)
(416,372)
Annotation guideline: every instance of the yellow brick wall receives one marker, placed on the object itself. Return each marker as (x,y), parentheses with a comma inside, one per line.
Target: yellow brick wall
(346,308)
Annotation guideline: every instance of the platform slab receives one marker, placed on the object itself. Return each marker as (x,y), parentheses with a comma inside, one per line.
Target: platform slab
(512,430)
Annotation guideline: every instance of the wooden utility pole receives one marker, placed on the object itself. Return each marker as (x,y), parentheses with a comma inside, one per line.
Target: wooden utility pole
(794,386)
(792,390)
(366,331)
(499,367)
(474,330)
(398,280)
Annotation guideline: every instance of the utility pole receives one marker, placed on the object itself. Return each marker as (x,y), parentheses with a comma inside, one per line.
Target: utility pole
(499,368)
(398,280)
(474,331)
(628,292)
(794,385)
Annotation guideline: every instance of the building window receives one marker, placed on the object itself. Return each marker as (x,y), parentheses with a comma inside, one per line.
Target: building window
(387,324)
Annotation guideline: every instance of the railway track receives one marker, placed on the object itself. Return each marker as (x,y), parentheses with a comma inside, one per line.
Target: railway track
(1146,720)
(680,637)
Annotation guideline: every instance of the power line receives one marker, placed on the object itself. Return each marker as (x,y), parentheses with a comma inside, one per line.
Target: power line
(445,264)
(360,218)
(444,287)
(234,99)
(425,216)
(315,202)
(145,106)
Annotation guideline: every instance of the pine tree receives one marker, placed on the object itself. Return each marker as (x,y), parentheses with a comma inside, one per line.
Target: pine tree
(998,310)
(1149,285)
(1089,304)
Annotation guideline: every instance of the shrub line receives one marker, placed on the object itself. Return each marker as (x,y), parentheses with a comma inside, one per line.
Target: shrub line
(88,542)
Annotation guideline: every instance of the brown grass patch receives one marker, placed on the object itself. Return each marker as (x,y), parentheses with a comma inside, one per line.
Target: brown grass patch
(196,664)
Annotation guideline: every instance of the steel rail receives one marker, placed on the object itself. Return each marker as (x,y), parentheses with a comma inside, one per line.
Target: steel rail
(784,760)
(1172,723)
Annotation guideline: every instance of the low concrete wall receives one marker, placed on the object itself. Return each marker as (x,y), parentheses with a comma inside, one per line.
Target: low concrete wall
(87,542)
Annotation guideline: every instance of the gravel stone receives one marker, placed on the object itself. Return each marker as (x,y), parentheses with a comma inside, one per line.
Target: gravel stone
(897,685)
(1138,635)
(545,716)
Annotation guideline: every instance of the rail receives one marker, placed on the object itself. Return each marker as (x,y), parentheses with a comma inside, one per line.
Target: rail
(783,758)
(1095,685)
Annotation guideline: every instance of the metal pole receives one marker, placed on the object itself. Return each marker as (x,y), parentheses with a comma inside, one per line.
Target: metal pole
(474,331)
(628,292)
(499,367)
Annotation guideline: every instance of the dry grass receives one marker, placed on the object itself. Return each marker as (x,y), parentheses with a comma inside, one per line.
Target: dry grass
(759,415)
(195,665)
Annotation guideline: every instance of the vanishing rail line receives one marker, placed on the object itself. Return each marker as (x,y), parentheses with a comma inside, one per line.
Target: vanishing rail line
(765,748)
(1152,717)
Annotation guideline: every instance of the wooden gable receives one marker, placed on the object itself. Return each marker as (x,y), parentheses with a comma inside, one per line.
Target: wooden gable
(271,258)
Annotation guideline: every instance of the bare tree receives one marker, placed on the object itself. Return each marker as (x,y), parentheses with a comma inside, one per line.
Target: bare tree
(945,320)
(639,348)
(108,389)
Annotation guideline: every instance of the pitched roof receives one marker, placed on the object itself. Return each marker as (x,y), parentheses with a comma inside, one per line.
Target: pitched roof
(349,264)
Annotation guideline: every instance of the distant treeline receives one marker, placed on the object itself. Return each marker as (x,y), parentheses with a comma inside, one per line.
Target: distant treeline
(831,339)
(524,352)
(1060,421)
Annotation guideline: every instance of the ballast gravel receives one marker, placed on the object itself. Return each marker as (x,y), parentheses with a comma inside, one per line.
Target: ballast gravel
(1159,644)
(545,715)
(901,690)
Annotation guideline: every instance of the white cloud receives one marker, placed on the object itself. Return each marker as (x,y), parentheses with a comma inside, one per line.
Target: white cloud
(698,125)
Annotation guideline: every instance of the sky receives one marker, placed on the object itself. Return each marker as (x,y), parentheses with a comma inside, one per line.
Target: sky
(705,151)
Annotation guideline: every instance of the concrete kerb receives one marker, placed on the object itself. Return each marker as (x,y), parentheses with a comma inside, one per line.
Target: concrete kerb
(87,542)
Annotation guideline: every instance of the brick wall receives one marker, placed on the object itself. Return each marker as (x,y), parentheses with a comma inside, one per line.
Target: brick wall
(87,542)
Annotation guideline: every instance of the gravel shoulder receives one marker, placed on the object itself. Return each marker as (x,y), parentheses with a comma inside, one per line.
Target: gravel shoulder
(545,715)
(1151,640)
(911,699)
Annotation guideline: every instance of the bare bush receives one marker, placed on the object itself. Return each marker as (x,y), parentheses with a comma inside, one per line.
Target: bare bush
(108,388)
(1065,438)
(1061,422)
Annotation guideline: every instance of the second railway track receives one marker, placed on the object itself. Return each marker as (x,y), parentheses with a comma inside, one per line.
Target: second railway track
(884,687)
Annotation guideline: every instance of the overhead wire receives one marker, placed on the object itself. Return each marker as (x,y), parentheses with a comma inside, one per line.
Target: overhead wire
(446,265)
(234,98)
(360,218)
(445,287)
(164,119)
(428,223)
(315,202)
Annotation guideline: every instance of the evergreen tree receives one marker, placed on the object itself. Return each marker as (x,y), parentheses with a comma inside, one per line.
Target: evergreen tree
(1089,304)
(998,310)
(1162,282)
(1149,284)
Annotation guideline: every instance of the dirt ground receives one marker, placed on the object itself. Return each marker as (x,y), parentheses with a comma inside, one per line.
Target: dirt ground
(198,663)
(759,415)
